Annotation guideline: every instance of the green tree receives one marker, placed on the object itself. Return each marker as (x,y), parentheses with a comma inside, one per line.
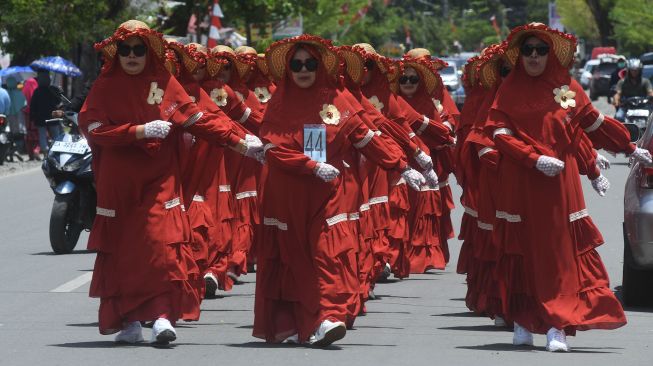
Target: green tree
(601,10)
(632,25)
(577,18)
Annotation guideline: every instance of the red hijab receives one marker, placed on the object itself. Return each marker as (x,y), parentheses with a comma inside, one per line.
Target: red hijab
(423,100)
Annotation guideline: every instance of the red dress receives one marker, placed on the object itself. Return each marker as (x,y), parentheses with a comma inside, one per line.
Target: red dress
(550,269)
(307,270)
(141,234)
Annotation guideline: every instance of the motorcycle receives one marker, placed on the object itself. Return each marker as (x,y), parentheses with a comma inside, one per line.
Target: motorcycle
(67,167)
(636,111)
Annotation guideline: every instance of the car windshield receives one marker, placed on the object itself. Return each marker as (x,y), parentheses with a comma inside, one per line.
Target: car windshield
(607,68)
(448,70)
(647,72)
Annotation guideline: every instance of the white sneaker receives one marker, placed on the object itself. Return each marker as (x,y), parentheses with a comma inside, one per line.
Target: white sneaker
(327,333)
(133,333)
(210,285)
(556,341)
(521,336)
(293,339)
(163,332)
(499,322)
(387,270)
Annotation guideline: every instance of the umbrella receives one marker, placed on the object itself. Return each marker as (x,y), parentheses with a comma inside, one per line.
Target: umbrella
(57,64)
(20,73)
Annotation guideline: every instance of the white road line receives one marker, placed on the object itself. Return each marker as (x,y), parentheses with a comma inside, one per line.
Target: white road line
(74,284)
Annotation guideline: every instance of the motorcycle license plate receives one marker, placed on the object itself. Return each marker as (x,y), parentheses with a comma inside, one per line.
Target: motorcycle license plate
(68,147)
(315,142)
(637,113)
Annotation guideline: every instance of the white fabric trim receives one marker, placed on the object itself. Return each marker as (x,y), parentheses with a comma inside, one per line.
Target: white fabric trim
(337,219)
(411,135)
(105,212)
(378,133)
(508,217)
(245,116)
(93,126)
(443,183)
(366,140)
(268,147)
(267,221)
(377,200)
(446,123)
(470,212)
(425,124)
(198,198)
(225,188)
(502,131)
(427,188)
(595,126)
(354,216)
(484,226)
(172,203)
(364,207)
(246,194)
(400,181)
(484,151)
(578,215)
(193,119)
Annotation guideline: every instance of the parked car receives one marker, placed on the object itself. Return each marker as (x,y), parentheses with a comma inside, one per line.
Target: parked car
(450,76)
(586,73)
(637,281)
(647,72)
(647,58)
(600,82)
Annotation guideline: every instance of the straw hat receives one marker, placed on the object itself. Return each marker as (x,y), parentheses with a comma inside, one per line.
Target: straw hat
(193,55)
(218,57)
(564,45)
(131,28)
(490,63)
(426,70)
(276,54)
(386,65)
(262,64)
(354,63)
(245,50)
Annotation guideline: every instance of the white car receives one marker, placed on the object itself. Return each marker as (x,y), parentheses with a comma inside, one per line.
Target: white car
(450,77)
(587,71)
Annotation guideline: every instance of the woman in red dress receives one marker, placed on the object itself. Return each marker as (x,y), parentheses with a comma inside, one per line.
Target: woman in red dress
(134,117)
(554,278)
(307,263)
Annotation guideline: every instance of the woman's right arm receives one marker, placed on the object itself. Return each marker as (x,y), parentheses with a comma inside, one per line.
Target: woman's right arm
(289,160)
(501,132)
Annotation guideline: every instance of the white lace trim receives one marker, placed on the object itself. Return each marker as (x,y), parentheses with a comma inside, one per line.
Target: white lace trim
(425,124)
(365,207)
(484,151)
(246,194)
(446,123)
(354,216)
(105,212)
(198,198)
(427,188)
(225,188)
(245,116)
(337,219)
(172,203)
(268,147)
(93,126)
(411,135)
(193,119)
(470,212)
(508,217)
(484,226)
(595,126)
(268,221)
(366,140)
(502,131)
(578,215)
(377,200)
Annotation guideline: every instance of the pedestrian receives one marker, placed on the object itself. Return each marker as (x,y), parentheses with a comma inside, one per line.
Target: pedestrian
(307,270)
(43,103)
(134,118)
(16,113)
(32,137)
(554,278)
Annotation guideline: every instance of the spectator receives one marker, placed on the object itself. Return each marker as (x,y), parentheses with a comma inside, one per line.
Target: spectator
(15,115)
(41,107)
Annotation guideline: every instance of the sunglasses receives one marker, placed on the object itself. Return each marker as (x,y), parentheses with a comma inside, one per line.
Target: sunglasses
(369,65)
(139,50)
(527,49)
(413,79)
(297,65)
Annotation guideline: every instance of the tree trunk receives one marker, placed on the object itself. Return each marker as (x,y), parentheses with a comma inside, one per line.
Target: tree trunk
(601,12)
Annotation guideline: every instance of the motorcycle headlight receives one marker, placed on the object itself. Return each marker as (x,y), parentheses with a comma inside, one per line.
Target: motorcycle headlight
(72,166)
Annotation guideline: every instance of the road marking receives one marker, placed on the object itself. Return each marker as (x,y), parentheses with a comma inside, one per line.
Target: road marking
(74,284)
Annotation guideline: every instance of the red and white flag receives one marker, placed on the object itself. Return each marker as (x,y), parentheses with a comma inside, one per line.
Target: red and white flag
(216,24)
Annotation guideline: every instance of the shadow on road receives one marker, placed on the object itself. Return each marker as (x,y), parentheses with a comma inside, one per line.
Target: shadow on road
(510,348)
(375,327)
(74,252)
(464,314)
(478,328)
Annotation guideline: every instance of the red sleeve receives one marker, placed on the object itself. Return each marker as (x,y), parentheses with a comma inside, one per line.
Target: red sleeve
(376,149)
(450,108)
(289,160)
(111,135)
(207,126)
(433,132)
(586,159)
(605,132)
(502,132)
(238,110)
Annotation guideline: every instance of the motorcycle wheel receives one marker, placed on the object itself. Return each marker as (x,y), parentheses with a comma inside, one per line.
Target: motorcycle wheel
(63,232)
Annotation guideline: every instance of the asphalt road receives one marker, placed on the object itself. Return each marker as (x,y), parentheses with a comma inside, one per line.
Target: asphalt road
(46,316)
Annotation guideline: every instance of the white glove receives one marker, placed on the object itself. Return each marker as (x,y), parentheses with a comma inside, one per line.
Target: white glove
(413,178)
(326,172)
(260,157)
(431,177)
(425,162)
(642,155)
(157,129)
(601,185)
(602,162)
(253,145)
(549,166)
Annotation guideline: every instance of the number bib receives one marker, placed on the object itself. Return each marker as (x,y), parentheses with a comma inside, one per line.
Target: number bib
(315,142)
